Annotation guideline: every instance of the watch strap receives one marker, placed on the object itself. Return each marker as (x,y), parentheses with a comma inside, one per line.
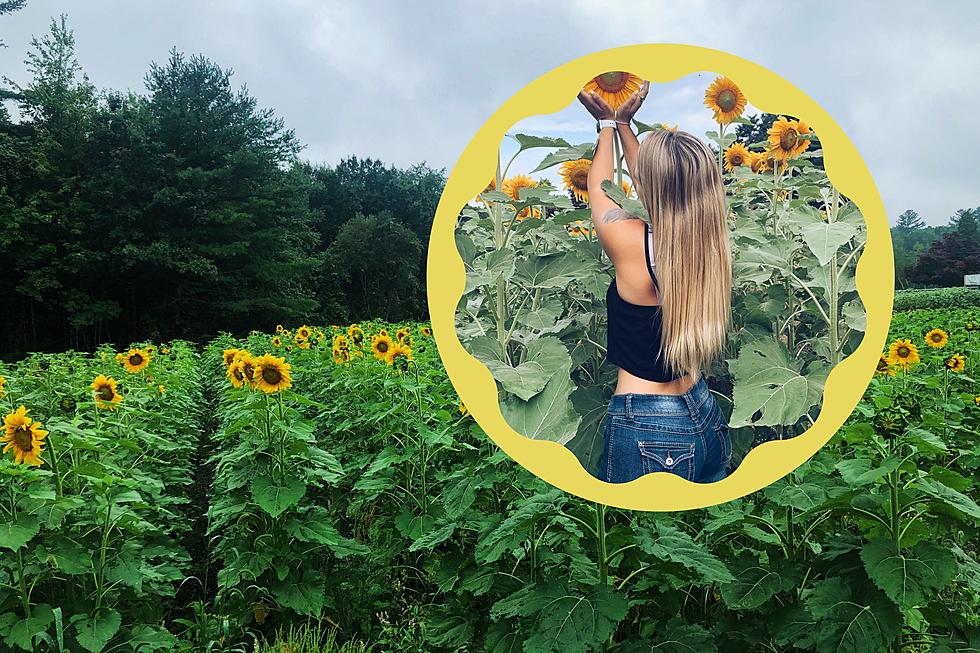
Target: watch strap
(602,124)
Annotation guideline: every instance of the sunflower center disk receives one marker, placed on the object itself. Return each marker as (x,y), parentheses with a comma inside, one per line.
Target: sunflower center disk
(271,376)
(788,139)
(24,439)
(726,100)
(135,360)
(106,393)
(612,82)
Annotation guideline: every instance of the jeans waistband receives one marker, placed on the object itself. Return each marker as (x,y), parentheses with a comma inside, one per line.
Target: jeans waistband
(689,403)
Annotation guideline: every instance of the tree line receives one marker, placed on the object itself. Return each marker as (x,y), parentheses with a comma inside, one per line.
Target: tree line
(185,210)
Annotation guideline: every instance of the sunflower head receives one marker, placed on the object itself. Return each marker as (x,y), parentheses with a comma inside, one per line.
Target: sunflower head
(104,389)
(736,155)
(513,185)
(340,341)
(903,353)
(885,365)
(229,355)
(276,341)
(785,139)
(303,332)
(271,374)
(383,332)
(136,360)
(462,408)
(280,328)
(970,326)
(937,338)
(3,382)
(426,331)
(355,333)
(399,356)
(401,334)
(614,87)
(25,436)
(575,175)
(725,100)
(236,374)
(381,346)
(955,363)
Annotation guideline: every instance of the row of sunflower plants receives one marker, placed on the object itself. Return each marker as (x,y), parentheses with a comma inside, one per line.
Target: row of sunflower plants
(97,466)
(533,309)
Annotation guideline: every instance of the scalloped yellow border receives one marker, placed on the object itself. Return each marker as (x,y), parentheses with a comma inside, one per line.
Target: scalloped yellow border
(554,91)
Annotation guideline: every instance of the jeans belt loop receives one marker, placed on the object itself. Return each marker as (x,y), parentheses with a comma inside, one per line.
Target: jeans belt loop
(629,406)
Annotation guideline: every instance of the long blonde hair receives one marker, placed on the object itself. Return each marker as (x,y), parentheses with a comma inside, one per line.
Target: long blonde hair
(679,183)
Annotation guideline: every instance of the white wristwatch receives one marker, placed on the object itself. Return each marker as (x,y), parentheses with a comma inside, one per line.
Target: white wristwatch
(602,124)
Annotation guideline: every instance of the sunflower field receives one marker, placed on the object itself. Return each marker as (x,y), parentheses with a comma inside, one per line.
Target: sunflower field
(533,308)
(328,481)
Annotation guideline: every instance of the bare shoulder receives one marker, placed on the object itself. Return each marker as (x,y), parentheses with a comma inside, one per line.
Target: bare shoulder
(622,236)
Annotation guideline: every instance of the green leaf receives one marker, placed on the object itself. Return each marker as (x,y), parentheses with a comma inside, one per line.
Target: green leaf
(527,141)
(950,497)
(275,497)
(846,623)
(676,636)
(908,579)
(548,415)
(303,596)
(826,238)
(768,380)
(802,496)
(19,532)
(93,632)
(564,620)
(571,153)
(671,544)
(525,380)
(753,585)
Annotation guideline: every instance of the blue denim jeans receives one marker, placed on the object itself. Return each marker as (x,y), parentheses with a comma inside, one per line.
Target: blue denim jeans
(683,434)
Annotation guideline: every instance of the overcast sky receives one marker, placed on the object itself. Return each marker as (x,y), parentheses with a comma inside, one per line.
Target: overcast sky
(408,82)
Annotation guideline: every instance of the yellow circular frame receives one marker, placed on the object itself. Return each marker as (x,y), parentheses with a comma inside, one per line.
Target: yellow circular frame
(555,463)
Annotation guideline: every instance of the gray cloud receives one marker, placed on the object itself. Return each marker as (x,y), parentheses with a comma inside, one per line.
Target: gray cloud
(407,82)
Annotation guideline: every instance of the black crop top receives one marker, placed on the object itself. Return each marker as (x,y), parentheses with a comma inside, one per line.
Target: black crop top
(634,331)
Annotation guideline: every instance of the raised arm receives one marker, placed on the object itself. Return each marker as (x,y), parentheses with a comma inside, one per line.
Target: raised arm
(624,114)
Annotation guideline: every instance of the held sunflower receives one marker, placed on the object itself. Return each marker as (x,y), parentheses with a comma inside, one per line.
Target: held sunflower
(104,389)
(271,374)
(614,87)
(136,360)
(725,99)
(25,436)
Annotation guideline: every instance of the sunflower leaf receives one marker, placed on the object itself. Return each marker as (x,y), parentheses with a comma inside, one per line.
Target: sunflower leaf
(275,497)
(573,153)
(768,381)
(528,141)
(909,579)
(19,532)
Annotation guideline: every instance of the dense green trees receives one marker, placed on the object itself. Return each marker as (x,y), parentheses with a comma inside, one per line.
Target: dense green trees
(186,210)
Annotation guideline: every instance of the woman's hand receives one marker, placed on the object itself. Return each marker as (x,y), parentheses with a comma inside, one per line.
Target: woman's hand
(598,107)
(626,111)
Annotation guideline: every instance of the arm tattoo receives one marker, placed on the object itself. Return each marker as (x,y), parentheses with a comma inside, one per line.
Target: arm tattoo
(618,213)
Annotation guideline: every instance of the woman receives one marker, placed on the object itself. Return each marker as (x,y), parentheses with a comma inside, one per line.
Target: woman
(669,303)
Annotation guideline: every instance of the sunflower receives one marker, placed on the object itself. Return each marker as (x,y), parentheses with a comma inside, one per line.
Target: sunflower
(576,177)
(937,338)
(784,139)
(955,363)
(514,185)
(136,360)
(104,388)
(614,87)
(356,334)
(903,353)
(976,400)
(578,228)
(401,334)
(271,374)
(165,350)
(491,186)
(341,355)
(383,332)
(737,155)
(970,326)
(280,328)
(24,436)
(399,355)
(161,389)
(248,366)
(229,356)
(426,331)
(340,342)
(526,213)
(381,346)
(276,341)
(3,382)
(725,99)
(627,188)
(304,332)
(885,365)
(462,409)
(236,374)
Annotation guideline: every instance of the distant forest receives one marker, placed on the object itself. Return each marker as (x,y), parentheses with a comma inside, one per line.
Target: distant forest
(185,210)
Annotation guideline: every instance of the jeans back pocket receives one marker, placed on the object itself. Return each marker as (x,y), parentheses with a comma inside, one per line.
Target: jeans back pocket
(674,457)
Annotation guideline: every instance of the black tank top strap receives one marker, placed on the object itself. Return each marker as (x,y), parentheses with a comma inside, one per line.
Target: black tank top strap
(648,251)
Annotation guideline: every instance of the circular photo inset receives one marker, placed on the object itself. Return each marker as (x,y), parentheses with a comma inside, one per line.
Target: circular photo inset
(645,285)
